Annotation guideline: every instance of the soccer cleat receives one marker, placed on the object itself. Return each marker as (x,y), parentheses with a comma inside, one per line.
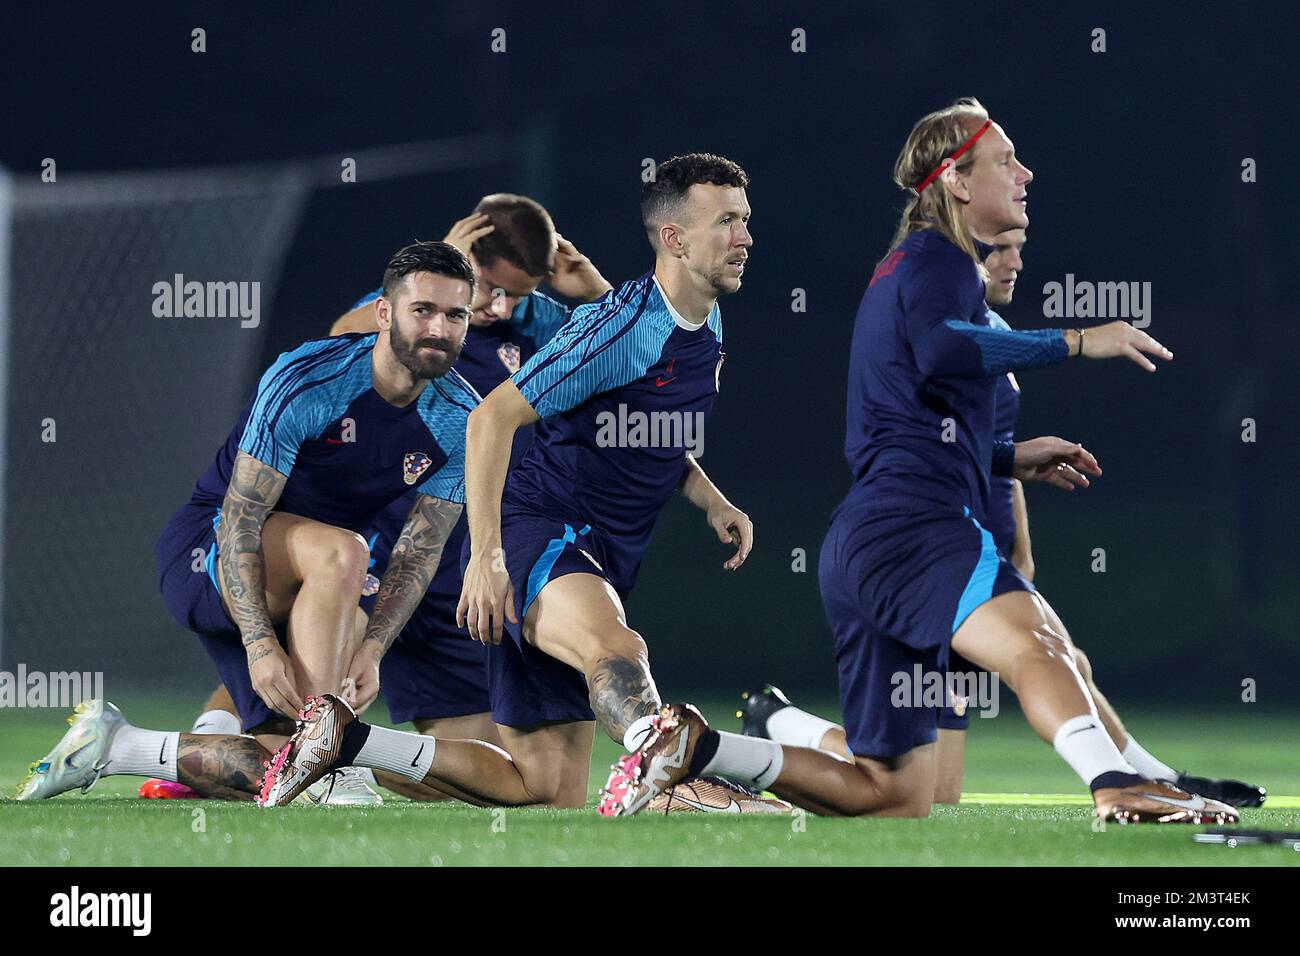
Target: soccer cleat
(758,707)
(1154,801)
(714,795)
(662,761)
(77,760)
(342,788)
(1232,792)
(155,789)
(309,754)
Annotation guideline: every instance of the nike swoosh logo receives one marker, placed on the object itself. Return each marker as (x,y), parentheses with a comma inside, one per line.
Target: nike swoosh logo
(67,761)
(661,382)
(733,808)
(417,754)
(335,441)
(1196,803)
(162,752)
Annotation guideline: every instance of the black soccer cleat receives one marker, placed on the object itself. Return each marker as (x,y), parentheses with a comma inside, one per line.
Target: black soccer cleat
(1232,792)
(758,707)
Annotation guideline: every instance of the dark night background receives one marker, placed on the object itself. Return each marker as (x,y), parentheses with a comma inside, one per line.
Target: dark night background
(1137,154)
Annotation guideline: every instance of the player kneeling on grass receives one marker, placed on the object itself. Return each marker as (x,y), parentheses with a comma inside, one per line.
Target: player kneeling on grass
(434,676)
(907,570)
(554,555)
(339,429)
(767,712)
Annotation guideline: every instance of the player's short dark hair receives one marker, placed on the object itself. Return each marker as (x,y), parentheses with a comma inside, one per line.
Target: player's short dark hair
(440,258)
(524,235)
(662,196)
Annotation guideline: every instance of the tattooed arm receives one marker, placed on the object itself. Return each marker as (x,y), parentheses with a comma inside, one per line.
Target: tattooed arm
(253,491)
(730,523)
(411,567)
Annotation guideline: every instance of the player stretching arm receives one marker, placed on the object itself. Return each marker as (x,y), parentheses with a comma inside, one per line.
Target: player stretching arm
(768,713)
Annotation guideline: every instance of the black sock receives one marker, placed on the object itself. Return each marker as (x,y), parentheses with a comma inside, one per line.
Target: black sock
(704,751)
(1115,778)
(354,738)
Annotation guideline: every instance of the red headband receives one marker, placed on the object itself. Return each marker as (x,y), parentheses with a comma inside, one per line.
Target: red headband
(953,158)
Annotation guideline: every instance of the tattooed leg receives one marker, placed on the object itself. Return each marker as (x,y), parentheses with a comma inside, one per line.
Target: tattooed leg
(622,691)
(579,619)
(228,768)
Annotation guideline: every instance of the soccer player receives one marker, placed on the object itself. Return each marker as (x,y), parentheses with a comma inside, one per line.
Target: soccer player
(907,570)
(266,561)
(433,675)
(768,713)
(554,551)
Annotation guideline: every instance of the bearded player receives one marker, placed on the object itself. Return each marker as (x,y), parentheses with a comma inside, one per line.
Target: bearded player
(339,429)
(554,551)
(434,676)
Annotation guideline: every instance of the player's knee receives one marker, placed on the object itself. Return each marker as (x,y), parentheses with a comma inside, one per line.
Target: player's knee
(542,784)
(1045,648)
(1085,666)
(615,642)
(947,794)
(341,557)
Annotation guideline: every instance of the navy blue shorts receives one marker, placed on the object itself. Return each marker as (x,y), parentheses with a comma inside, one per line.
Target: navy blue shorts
(186,556)
(896,586)
(949,719)
(526,685)
(434,669)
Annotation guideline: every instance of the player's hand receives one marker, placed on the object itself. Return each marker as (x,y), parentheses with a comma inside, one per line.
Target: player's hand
(361,685)
(575,277)
(469,230)
(1121,340)
(733,527)
(1056,461)
(272,676)
(487,598)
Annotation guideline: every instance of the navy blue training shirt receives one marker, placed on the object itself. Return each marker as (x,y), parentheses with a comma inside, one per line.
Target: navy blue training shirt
(622,390)
(923,367)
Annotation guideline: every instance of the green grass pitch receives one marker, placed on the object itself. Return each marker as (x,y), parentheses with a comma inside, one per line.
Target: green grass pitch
(1026,809)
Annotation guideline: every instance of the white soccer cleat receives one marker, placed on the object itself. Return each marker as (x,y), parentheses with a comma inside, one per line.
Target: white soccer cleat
(348,787)
(77,760)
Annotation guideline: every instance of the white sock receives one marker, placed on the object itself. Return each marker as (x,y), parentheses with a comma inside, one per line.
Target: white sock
(636,733)
(1146,764)
(1084,744)
(143,753)
(397,751)
(798,728)
(751,761)
(217,722)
